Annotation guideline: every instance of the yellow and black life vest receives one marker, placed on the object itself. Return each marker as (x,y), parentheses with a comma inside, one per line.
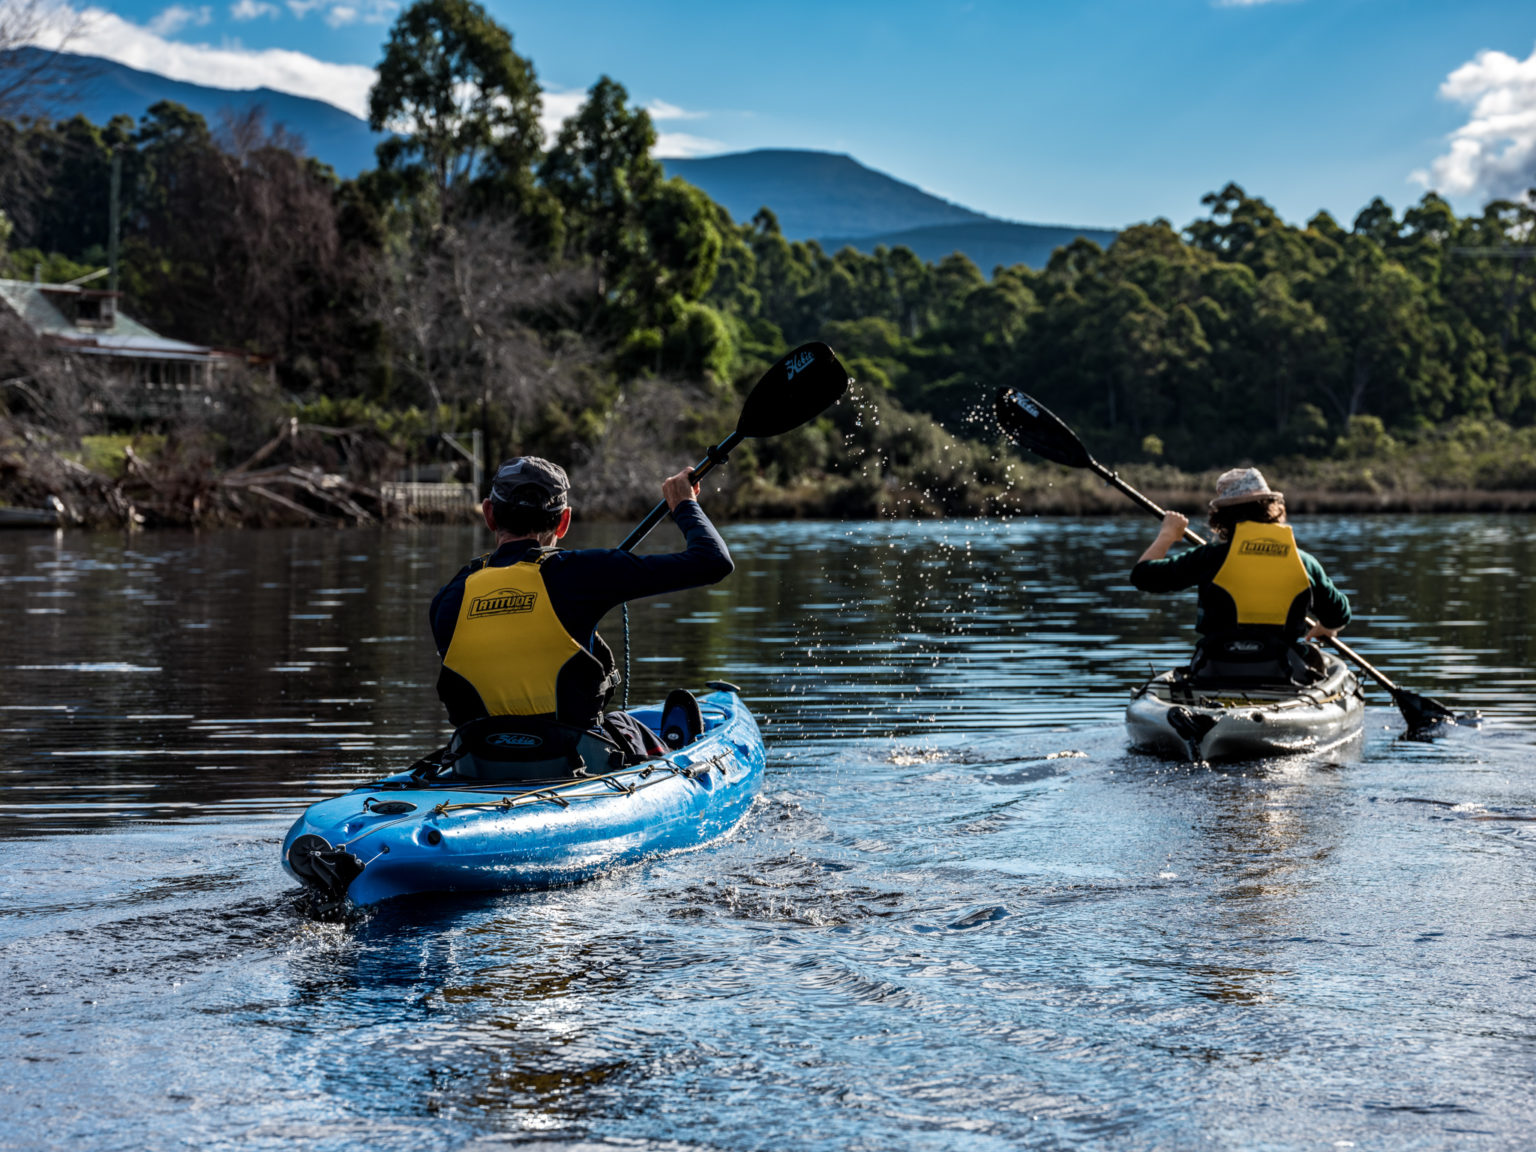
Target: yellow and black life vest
(511,656)
(1264,576)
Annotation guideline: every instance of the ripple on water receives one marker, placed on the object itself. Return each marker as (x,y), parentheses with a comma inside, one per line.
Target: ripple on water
(962,914)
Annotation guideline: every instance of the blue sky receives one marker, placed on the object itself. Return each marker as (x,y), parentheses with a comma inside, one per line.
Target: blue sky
(1096,113)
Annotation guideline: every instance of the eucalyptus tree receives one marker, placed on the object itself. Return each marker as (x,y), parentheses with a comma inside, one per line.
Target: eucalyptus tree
(463,111)
(662,288)
(601,172)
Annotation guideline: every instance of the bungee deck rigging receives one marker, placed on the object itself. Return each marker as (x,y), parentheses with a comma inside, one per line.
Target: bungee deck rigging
(568,791)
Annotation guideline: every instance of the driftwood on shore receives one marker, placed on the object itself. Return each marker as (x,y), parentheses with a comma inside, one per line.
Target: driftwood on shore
(316,475)
(185,489)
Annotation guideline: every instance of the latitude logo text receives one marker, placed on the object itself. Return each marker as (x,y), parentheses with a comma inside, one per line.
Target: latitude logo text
(502,601)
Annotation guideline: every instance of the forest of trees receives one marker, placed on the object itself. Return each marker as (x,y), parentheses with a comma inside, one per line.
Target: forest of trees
(568,299)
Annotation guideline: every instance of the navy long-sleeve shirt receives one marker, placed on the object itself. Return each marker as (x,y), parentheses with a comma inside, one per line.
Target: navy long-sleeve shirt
(584,584)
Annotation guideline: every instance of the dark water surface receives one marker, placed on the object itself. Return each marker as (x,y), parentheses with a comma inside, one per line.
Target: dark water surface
(962,915)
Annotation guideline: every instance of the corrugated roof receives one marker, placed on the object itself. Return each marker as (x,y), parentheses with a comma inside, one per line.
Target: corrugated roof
(126,337)
(35,309)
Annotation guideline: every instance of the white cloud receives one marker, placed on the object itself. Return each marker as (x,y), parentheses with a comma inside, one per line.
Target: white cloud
(1494,153)
(679,144)
(340,13)
(252,10)
(1247,3)
(228,66)
(369,12)
(558,108)
(661,110)
(175,18)
(561,106)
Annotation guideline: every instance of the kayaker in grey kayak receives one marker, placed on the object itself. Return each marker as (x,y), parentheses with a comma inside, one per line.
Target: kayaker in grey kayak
(517,628)
(1257,588)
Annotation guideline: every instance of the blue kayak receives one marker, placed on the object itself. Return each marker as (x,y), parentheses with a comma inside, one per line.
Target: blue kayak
(404,835)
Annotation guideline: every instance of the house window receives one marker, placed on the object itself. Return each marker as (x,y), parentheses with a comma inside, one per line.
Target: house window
(95,310)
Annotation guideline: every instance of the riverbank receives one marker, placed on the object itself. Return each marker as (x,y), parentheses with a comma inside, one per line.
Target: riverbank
(319,500)
(1052,491)
(1107,501)
(328,477)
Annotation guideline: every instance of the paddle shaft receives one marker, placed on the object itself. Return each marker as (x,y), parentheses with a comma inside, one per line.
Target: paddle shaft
(1194,537)
(717,455)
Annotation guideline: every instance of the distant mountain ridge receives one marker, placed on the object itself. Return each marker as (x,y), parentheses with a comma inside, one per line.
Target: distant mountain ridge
(816,193)
(824,196)
(101,89)
(989,243)
(835,200)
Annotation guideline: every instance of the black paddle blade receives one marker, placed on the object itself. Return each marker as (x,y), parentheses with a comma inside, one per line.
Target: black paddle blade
(798,388)
(1424,713)
(1037,428)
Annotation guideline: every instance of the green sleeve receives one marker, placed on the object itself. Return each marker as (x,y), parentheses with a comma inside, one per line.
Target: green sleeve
(1187,570)
(1329,605)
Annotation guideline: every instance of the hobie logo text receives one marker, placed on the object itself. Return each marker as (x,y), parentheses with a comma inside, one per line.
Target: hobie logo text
(1266,548)
(799,363)
(513,740)
(502,601)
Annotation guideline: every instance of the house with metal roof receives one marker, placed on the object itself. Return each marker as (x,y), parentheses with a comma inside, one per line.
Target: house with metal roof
(153,375)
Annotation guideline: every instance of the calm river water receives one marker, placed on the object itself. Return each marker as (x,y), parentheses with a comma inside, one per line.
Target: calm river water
(962,915)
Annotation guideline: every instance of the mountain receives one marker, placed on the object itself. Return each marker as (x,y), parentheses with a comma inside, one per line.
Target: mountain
(101,89)
(989,243)
(823,196)
(816,193)
(838,202)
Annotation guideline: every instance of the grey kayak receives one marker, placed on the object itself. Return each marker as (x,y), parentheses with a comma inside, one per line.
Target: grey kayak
(1243,722)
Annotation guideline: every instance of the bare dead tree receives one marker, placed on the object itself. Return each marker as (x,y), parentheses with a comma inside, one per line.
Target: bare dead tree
(476,322)
(47,396)
(620,473)
(282,236)
(241,134)
(269,270)
(44,387)
(32,35)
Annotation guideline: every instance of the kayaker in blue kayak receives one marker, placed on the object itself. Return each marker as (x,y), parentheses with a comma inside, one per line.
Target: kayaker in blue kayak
(1257,588)
(517,628)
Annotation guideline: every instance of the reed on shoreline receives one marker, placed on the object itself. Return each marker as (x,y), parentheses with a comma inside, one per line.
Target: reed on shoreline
(291,481)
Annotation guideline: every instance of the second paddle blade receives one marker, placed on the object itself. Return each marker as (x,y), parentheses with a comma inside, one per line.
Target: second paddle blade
(1036,427)
(798,388)
(1425,713)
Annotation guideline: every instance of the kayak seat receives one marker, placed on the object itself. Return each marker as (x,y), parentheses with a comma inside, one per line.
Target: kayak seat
(681,720)
(1249,658)
(503,749)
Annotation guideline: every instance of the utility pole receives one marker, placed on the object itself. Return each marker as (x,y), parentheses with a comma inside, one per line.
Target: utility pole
(117,185)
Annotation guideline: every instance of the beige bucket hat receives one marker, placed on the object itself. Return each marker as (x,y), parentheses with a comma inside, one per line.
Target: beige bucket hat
(1243,486)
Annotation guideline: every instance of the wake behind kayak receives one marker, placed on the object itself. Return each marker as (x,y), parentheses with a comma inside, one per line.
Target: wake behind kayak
(401,835)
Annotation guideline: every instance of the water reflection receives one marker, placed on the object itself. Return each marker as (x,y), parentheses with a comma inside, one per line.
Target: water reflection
(962,915)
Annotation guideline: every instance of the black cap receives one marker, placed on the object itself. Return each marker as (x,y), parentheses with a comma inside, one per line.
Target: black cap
(530,482)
